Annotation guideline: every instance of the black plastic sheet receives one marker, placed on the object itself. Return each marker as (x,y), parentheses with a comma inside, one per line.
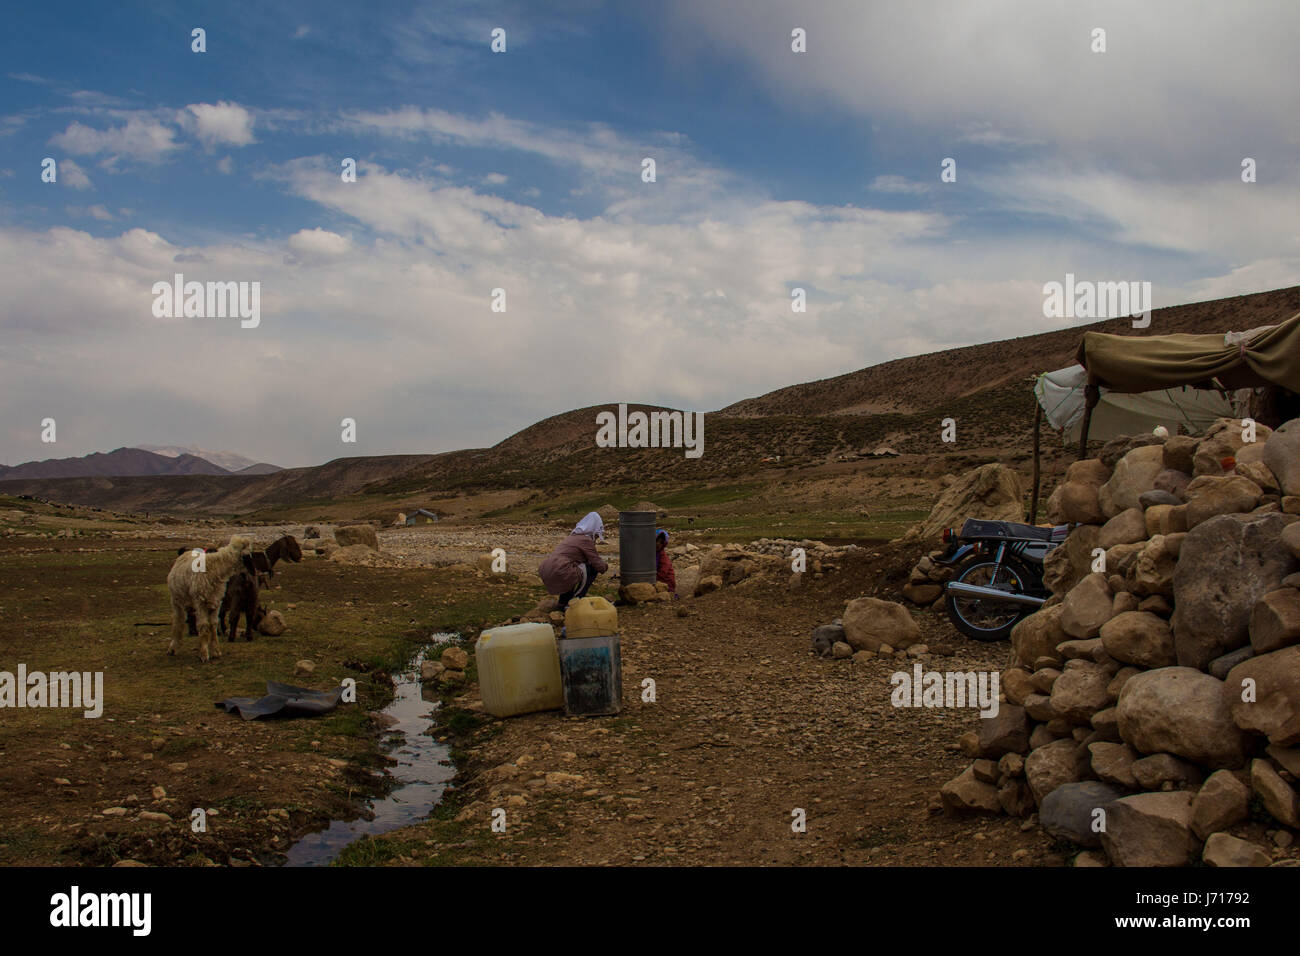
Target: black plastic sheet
(284,700)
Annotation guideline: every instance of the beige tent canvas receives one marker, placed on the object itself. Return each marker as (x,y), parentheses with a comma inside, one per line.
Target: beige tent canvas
(1061,395)
(1130,363)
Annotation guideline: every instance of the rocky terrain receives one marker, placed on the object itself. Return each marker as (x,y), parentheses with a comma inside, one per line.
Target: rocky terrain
(1153,705)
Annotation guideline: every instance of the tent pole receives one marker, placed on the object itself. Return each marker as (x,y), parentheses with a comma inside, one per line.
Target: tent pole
(1092,395)
(1033,501)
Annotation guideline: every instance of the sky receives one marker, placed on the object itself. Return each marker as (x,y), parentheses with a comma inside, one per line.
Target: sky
(524,170)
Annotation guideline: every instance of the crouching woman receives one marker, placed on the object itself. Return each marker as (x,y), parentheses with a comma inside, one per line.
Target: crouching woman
(570,569)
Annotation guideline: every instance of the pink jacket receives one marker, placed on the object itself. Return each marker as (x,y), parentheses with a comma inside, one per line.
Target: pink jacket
(561,571)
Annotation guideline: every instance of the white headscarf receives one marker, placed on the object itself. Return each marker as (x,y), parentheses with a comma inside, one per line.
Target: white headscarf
(591,525)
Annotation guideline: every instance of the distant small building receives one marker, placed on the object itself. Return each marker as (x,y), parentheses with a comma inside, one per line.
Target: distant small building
(429,517)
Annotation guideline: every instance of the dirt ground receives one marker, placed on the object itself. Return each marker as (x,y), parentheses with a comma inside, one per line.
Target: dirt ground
(746,728)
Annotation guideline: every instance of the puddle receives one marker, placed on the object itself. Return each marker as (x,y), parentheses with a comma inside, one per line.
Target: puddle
(420,773)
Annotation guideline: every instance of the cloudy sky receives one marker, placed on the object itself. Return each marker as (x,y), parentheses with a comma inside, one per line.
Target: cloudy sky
(522,171)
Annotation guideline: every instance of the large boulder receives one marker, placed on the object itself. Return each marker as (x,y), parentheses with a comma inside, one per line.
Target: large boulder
(1070,811)
(1125,528)
(1173,482)
(989,491)
(732,565)
(1134,473)
(1037,636)
(1225,565)
(1209,496)
(1150,829)
(1139,638)
(357,534)
(1080,691)
(870,622)
(1222,801)
(1153,573)
(1067,564)
(1087,607)
(1074,501)
(1178,453)
(968,794)
(1282,455)
(1054,764)
(1180,711)
(1275,793)
(1113,763)
(1275,620)
(1005,732)
(1223,440)
(1263,695)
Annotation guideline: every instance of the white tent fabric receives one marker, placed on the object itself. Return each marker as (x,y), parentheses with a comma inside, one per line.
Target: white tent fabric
(1061,395)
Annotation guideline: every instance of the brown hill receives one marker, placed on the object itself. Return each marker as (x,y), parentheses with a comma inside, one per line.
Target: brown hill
(987,388)
(927,381)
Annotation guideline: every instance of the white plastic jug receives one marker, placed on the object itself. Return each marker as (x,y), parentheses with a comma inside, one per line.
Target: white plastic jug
(519,669)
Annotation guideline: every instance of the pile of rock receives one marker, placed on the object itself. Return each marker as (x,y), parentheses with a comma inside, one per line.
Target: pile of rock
(1160,686)
(722,565)
(870,628)
(924,585)
(448,669)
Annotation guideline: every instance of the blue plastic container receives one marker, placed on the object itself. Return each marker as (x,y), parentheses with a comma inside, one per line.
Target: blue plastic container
(591,670)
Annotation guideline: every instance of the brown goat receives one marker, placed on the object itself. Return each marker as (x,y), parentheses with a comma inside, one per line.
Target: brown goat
(240,599)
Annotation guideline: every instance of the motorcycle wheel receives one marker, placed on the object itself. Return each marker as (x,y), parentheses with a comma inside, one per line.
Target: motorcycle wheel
(980,618)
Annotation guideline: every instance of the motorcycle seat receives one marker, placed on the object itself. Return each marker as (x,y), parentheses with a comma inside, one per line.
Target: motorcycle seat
(1011,530)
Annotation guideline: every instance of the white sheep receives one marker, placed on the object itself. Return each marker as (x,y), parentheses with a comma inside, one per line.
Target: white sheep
(201,591)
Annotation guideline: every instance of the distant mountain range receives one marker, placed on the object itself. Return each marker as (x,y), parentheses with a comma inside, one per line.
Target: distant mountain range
(136,462)
(234,463)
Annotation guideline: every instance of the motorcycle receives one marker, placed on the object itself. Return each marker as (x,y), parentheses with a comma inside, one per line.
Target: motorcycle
(997,574)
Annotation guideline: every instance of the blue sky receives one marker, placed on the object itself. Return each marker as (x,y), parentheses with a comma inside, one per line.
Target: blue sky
(521,170)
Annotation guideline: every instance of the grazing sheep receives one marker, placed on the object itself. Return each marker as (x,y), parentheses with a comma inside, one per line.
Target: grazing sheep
(240,598)
(201,591)
(246,558)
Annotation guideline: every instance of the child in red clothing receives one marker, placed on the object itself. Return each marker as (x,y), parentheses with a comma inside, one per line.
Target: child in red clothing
(664,570)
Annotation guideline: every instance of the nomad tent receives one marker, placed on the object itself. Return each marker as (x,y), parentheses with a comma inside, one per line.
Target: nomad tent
(1061,397)
(1125,384)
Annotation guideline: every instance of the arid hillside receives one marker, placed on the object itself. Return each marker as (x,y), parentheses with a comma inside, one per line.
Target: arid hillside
(986,388)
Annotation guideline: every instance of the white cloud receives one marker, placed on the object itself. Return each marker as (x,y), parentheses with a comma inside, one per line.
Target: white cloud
(225,124)
(73,176)
(140,138)
(897,184)
(1009,74)
(318,244)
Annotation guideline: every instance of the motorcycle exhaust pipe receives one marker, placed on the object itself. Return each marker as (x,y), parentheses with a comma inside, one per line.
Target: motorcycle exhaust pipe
(959,589)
